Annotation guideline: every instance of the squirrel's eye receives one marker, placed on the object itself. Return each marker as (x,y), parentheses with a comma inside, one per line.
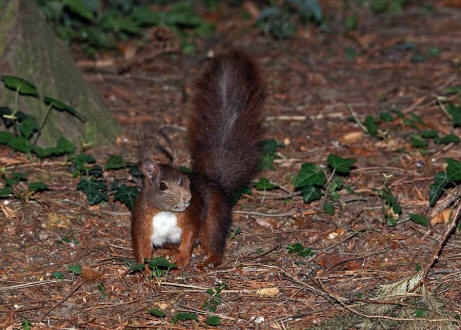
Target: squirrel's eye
(162,186)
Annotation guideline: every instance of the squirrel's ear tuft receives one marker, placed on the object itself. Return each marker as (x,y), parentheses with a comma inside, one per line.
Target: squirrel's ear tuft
(150,168)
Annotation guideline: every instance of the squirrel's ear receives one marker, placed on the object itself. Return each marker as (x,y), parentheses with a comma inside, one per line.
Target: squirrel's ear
(150,168)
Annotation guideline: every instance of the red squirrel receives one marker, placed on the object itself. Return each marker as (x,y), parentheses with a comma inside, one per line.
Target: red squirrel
(173,209)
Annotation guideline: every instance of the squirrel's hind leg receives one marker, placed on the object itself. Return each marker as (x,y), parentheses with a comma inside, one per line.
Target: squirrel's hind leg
(214,228)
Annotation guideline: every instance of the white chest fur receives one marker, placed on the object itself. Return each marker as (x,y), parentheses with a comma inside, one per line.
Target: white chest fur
(165,229)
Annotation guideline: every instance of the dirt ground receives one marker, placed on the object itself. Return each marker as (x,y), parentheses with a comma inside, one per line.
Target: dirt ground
(313,83)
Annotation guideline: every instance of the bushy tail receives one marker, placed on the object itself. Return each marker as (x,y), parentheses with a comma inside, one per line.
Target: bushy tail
(225,125)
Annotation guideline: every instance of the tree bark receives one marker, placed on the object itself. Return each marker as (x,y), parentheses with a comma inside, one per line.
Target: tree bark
(29,49)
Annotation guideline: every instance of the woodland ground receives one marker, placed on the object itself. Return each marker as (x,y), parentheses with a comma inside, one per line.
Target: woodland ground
(311,82)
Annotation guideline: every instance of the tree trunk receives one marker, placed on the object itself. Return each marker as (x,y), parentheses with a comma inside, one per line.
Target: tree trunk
(29,49)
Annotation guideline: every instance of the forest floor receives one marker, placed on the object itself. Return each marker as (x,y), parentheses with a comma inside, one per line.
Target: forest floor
(396,64)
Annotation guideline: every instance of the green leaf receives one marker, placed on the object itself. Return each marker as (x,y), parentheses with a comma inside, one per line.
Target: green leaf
(115,162)
(38,186)
(455,113)
(350,53)
(435,189)
(371,125)
(265,184)
(20,143)
(311,193)
(102,289)
(157,313)
(18,176)
(65,146)
(420,313)
(95,171)
(418,142)
(5,137)
(161,262)
(57,275)
(300,250)
(58,105)
(16,83)
(78,7)
(341,165)
(450,138)
(136,267)
(429,134)
(419,219)
(385,116)
(76,269)
(85,158)
(391,200)
(28,126)
(95,190)
(453,169)
(213,320)
(329,208)
(310,174)
(184,316)
(43,152)
(136,172)
(126,195)
(5,191)
(238,193)
(453,90)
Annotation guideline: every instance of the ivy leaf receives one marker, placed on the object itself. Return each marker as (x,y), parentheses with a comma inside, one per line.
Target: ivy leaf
(329,208)
(391,200)
(419,219)
(115,162)
(5,191)
(64,146)
(161,262)
(418,142)
(58,105)
(38,186)
(184,316)
(95,171)
(341,165)
(136,268)
(429,134)
(6,121)
(240,191)
(16,83)
(371,125)
(95,190)
(310,174)
(450,138)
(213,320)
(20,143)
(28,126)
(76,269)
(455,113)
(435,189)
(311,193)
(453,90)
(78,7)
(85,158)
(5,137)
(126,195)
(57,275)
(43,152)
(265,184)
(386,116)
(453,169)
(156,312)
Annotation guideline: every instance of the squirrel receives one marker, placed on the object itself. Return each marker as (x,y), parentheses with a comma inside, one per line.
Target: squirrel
(174,210)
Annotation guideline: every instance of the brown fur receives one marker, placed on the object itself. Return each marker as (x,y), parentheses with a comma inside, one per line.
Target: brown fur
(225,130)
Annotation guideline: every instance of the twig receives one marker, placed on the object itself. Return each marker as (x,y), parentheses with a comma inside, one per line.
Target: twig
(439,246)
(62,301)
(287,214)
(198,311)
(93,212)
(30,284)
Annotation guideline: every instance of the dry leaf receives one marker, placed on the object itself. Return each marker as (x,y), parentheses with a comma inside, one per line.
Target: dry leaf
(351,137)
(330,260)
(266,223)
(57,220)
(91,274)
(269,292)
(442,217)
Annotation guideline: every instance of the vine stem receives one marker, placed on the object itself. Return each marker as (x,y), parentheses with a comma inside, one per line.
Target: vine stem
(43,123)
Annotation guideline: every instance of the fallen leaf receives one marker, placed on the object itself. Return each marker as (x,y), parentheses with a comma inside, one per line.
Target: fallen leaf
(442,217)
(269,292)
(90,274)
(351,137)
(266,223)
